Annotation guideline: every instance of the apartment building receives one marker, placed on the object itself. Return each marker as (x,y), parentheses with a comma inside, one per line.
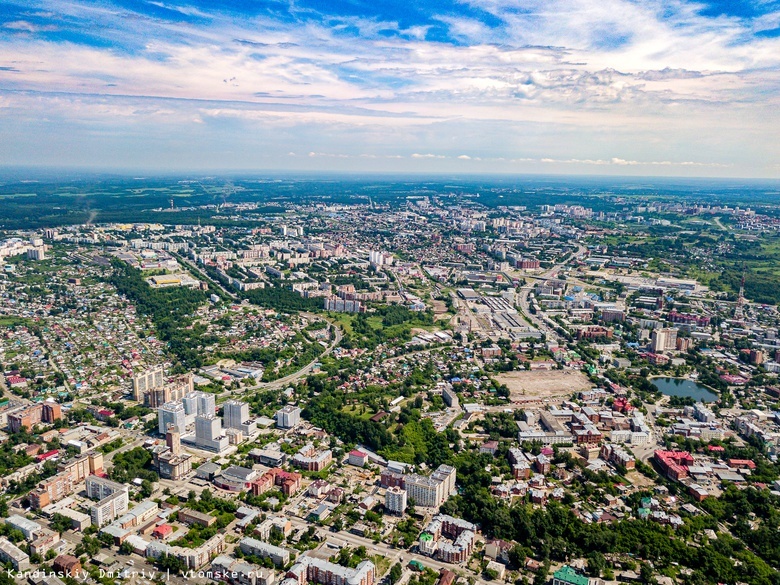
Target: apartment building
(236,416)
(113,499)
(314,570)
(147,380)
(209,435)
(171,413)
(30,416)
(288,417)
(395,500)
(10,553)
(431,491)
(288,481)
(310,459)
(278,555)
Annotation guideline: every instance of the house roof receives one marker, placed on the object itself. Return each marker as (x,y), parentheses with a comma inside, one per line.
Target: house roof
(569,575)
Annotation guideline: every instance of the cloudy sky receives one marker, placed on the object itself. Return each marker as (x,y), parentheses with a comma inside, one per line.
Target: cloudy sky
(642,87)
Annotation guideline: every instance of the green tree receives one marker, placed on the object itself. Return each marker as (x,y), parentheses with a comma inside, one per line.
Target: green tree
(395,573)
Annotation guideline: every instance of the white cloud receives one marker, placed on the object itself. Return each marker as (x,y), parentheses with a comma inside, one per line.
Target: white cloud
(545,81)
(28,27)
(623,162)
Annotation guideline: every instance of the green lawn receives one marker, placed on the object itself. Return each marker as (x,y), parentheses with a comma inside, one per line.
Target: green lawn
(354,410)
(381,563)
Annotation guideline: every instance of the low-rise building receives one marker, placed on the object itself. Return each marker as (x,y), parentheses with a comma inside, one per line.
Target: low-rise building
(27,527)
(10,553)
(188,516)
(278,555)
(310,459)
(289,482)
(67,565)
(237,572)
(568,576)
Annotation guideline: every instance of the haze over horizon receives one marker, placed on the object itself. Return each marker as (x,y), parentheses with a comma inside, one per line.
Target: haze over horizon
(615,87)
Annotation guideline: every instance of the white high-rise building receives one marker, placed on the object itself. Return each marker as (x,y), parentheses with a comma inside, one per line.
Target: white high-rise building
(207,404)
(446,474)
(235,413)
(208,433)
(423,491)
(198,404)
(37,253)
(380,258)
(113,499)
(190,402)
(395,500)
(288,417)
(236,416)
(171,413)
(433,491)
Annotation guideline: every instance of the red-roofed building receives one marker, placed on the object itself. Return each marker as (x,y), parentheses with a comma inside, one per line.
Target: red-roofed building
(657,359)
(701,320)
(621,404)
(358,458)
(734,380)
(674,463)
(489,447)
(741,464)
(104,414)
(16,381)
(162,531)
(67,565)
(47,455)
(289,481)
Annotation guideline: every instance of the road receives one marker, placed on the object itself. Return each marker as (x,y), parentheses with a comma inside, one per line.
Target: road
(392,554)
(305,370)
(182,258)
(540,321)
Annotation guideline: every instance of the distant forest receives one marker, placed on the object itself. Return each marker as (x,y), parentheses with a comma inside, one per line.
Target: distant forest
(30,200)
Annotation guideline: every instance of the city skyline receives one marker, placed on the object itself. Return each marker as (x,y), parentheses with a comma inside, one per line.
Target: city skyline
(617,87)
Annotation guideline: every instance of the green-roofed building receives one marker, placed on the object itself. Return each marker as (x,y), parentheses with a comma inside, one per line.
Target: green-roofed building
(568,576)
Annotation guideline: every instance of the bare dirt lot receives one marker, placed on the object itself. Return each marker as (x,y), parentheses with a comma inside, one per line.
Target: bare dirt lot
(639,480)
(541,384)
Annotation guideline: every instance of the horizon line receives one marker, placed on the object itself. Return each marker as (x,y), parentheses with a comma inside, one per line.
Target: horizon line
(132,172)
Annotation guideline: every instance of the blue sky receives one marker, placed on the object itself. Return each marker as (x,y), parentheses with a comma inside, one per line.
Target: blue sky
(645,87)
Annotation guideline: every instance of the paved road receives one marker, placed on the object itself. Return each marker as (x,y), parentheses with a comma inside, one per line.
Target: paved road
(720,225)
(188,262)
(539,320)
(305,370)
(394,555)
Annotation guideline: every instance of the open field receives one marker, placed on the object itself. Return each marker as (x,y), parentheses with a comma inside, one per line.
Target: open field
(639,480)
(541,385)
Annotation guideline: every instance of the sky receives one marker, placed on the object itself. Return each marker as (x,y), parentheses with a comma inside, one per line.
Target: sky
(614,87)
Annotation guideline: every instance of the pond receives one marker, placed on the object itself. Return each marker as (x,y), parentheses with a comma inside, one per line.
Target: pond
(682,388)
